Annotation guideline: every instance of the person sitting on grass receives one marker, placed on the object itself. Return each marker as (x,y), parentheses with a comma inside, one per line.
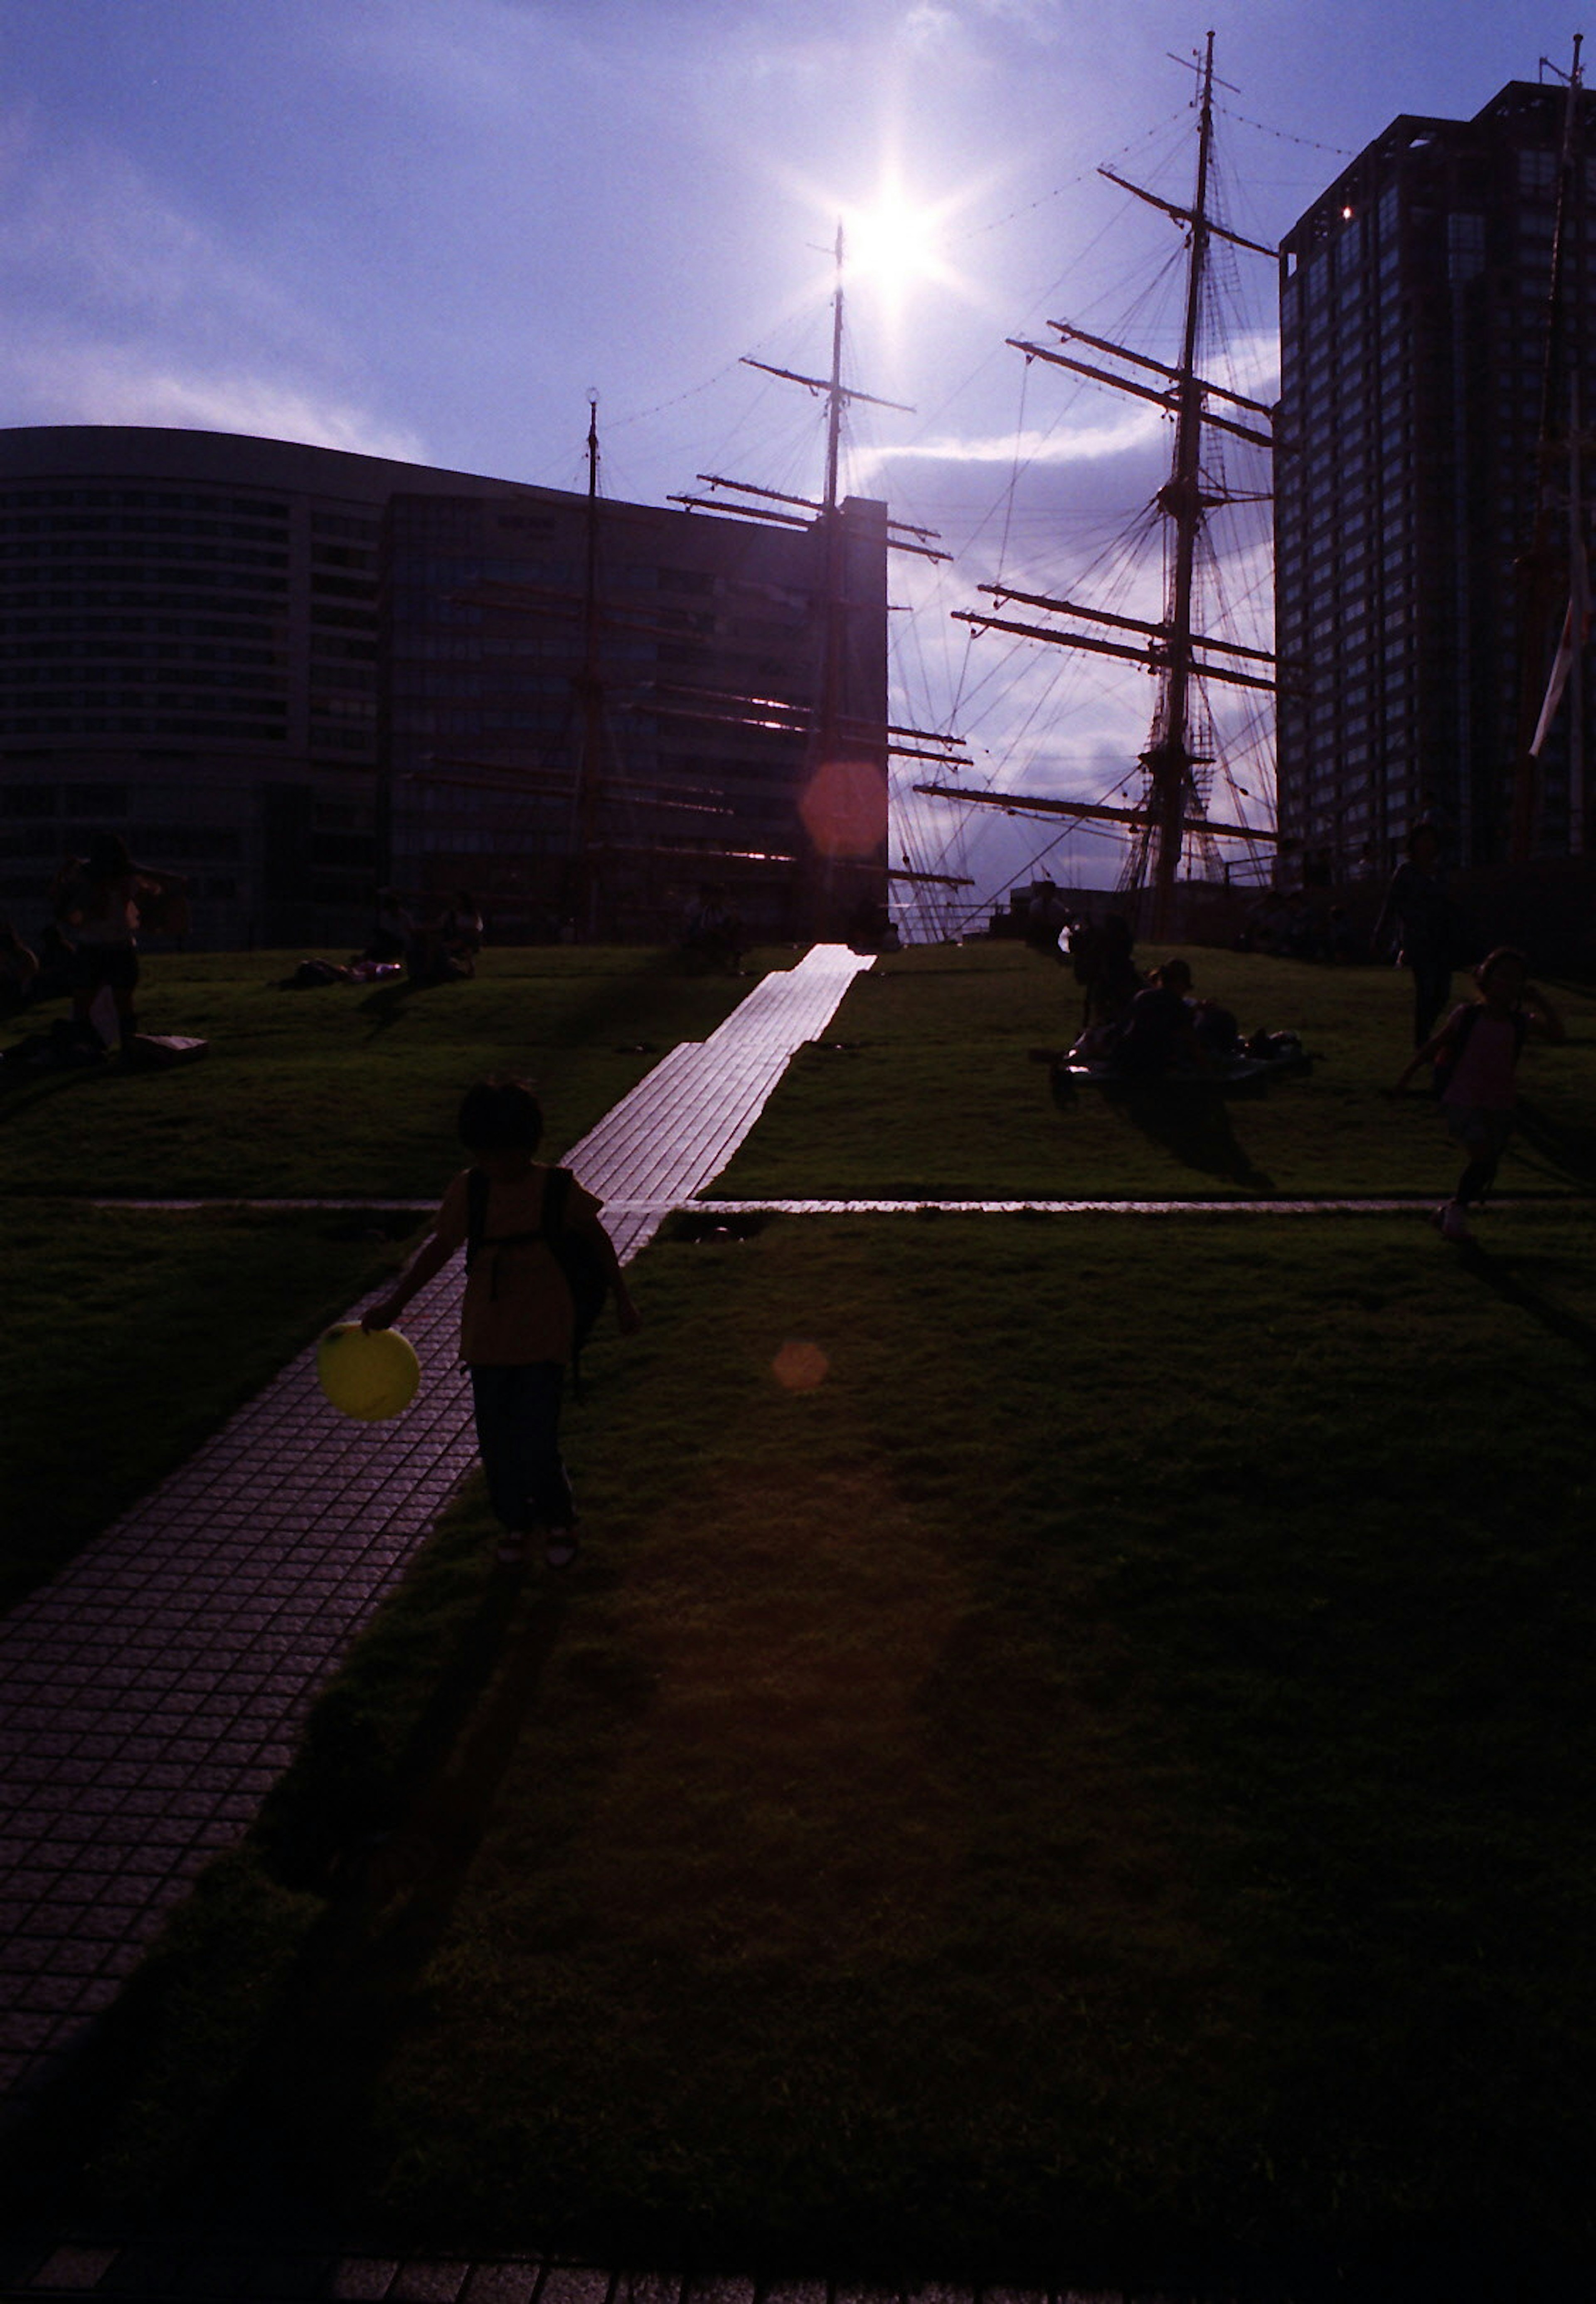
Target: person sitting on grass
(459,935)
(98,898)
(712,932)
(1159,1032)
(1475,1054)
(517,1316)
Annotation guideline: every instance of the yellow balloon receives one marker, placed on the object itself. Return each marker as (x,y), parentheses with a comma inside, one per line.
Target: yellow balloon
(369,1374)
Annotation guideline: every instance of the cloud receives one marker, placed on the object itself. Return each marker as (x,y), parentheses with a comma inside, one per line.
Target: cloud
(930,26)
(86,382)
(123,308)
(1088,444)
(83,225)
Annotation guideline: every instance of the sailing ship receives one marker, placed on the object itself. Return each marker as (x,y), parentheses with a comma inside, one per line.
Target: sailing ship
(833,736)
(1171,820)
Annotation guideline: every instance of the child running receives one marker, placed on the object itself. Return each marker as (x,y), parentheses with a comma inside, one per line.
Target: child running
(1475,1054)
(517,1316)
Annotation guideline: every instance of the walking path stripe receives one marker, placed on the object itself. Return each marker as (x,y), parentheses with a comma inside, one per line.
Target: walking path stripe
(1397,1204)
(152,1692)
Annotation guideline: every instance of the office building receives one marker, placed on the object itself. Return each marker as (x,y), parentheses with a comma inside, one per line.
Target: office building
(298,674)
(1416,629)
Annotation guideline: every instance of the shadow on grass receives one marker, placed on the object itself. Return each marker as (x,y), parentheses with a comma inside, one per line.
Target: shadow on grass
(1192,1123)
(1507,1282)
(389,1003)
(1569,1150)
(21,1087)
(361,1825)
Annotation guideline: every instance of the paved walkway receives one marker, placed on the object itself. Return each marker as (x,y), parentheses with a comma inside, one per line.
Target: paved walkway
(215,2274)
(152,1692)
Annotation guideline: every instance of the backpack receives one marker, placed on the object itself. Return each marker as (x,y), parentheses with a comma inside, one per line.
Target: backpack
(1446,1059)
(585,1271)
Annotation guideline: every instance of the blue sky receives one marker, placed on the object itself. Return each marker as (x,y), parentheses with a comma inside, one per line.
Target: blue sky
(428,228)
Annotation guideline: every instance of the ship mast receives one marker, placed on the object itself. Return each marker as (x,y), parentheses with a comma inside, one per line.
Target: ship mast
(1173,806)
(1168,759)
(835,735)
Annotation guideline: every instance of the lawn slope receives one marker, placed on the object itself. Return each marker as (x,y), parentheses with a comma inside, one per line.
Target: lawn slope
(1098,1786)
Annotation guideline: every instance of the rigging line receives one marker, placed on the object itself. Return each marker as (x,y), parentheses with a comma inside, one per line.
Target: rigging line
(639,415)
(1283,135)
(615,423)
(1037,857)
(980,230)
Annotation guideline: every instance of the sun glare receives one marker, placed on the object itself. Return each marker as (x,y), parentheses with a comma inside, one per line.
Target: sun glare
(894,242)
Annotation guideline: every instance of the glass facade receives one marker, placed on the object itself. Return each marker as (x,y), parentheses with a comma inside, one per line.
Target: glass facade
(294,674)
(1414,307)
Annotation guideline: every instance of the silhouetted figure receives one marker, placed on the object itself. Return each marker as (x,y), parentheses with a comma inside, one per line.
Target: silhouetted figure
(712,931)
(1160,1028)
(1417,903)
(98,899)
(392,931)
(1475,1055)
(458,934)
(1101,958)
(518,1317)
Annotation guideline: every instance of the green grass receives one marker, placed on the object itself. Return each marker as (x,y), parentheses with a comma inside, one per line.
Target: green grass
(924,1089)
(128,1338)
(346,1091)
(1099,1787)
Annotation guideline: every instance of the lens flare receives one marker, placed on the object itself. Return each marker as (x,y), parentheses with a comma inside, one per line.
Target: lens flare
(800,1367)
(844,809)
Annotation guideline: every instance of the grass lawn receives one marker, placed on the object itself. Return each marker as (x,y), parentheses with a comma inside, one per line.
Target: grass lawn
(1099,1786)
(924,1089)
(347,1091)
(130,1336)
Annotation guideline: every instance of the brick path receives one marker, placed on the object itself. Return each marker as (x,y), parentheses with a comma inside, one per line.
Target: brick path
(205,2274)
(150,1694)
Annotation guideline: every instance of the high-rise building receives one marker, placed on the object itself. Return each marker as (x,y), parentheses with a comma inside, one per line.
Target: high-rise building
(297,674)
(1417,611)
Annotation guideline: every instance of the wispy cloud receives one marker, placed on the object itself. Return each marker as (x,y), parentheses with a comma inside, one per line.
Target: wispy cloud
(123,308)
(1085,444)
(84,226)
(56,381)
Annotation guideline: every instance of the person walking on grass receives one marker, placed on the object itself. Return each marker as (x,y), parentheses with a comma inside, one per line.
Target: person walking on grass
(1475,1055)
(1417,904)
(517,1315)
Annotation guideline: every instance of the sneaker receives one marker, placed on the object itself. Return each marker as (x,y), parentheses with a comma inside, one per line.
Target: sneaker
(1454,1222)
(512,1546)
(562,1547)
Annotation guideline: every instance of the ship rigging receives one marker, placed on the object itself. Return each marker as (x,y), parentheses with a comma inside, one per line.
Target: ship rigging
(1171,817)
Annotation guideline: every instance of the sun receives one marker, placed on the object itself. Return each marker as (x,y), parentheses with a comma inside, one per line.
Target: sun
(894,241)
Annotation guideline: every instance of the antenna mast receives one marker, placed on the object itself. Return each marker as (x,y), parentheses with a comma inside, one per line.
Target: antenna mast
(589,687)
